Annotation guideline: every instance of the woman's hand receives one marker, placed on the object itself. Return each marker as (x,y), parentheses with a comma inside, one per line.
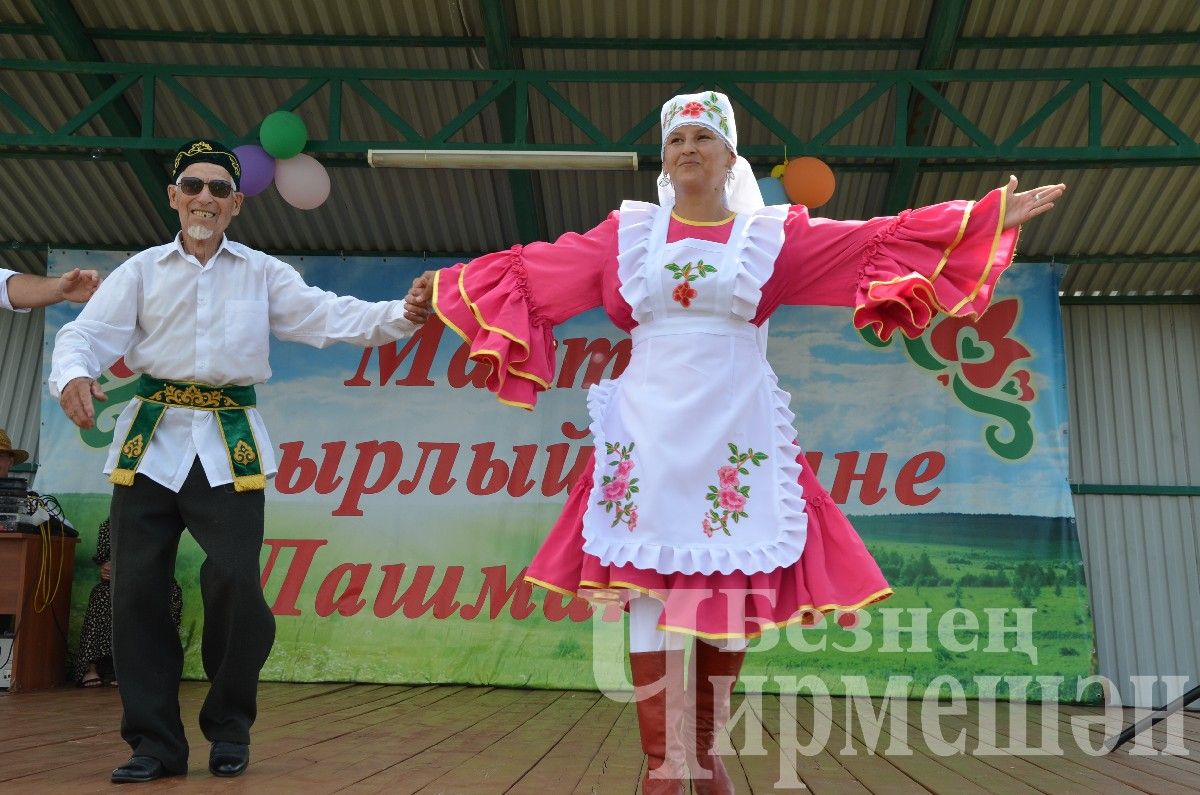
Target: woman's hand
(1022,207)
(420,297)
(106,571)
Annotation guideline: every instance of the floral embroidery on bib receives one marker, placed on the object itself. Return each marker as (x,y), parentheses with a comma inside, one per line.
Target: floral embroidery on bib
(689,272)
(728,496)
(618,489)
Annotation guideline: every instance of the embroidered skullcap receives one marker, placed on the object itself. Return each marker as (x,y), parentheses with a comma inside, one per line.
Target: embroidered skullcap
(709,109)
(207,151)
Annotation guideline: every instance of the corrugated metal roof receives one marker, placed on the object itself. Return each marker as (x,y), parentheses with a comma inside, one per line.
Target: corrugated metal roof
(23,261)
(1022,18)
(471,212)
(346,17)
(724,18)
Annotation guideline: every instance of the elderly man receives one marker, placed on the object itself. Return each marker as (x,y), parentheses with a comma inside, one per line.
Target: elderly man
(194,317)
(25,291)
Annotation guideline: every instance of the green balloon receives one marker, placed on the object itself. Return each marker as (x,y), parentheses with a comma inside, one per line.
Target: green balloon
(283,135)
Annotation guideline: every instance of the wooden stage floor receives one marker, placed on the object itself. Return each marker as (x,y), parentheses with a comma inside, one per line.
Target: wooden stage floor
(450,739)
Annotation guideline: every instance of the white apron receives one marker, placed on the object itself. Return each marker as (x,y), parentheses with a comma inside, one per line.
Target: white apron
(695,457)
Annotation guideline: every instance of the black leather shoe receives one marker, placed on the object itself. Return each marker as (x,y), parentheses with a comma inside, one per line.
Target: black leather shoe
(139,768)
(228,759)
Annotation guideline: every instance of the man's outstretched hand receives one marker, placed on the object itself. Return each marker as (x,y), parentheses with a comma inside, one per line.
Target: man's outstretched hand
(76,401)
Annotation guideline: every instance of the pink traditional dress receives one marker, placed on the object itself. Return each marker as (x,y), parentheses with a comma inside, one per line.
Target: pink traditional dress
(697,493)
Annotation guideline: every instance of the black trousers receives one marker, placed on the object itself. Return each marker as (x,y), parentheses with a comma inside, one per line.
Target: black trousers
(147,520)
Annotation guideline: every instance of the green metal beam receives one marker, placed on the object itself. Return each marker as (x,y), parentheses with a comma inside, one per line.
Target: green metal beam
(1150,257)
(981,153)
(1167,38)
(67,29)
(513,107)
(1136,490)
(941,38)
(1129,72)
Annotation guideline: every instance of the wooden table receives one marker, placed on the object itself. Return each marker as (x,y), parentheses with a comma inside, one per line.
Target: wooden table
(40,648)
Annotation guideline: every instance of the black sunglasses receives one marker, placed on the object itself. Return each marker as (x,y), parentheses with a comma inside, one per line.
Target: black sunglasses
(219,188)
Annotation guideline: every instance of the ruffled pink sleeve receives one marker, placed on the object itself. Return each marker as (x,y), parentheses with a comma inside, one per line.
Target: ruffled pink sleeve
(505,305)
(898,271)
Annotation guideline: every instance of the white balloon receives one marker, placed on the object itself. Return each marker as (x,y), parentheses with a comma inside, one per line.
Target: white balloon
(302,182)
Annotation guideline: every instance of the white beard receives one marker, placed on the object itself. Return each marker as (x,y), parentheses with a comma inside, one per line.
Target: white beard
(198,232)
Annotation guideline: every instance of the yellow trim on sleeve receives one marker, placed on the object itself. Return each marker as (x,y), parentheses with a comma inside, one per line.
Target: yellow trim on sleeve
(906,277)
(517,403)
(962,229)
(450,324)
(437,279)
(462,291)
(991,255)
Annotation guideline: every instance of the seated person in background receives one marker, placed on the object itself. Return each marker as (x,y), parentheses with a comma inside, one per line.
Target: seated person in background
(21,509)
(12,490)
(93,661)
(9,456)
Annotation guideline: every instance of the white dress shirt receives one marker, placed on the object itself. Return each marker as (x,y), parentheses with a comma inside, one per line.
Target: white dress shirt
(175,319)
(5,275)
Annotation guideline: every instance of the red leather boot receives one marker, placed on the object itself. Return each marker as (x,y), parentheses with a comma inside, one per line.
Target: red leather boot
(709,690)
(658,688)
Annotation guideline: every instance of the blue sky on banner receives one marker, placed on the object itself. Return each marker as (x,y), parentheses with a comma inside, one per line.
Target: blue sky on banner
(847,395)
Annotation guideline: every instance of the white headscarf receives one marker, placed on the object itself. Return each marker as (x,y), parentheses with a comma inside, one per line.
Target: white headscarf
(710,109)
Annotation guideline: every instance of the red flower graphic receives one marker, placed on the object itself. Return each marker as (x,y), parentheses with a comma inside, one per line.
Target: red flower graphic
(692,109)
(683,294)
(985,362)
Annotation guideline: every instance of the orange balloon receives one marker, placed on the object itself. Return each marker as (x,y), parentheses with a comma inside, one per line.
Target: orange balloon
(808,181)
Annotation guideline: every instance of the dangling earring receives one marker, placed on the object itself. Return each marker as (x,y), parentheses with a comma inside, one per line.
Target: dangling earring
(729,176)
(664,180)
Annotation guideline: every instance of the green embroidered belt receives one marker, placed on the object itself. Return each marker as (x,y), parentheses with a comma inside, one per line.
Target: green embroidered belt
(229,403)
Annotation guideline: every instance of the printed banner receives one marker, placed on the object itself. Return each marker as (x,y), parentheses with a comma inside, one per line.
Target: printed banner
(409,501)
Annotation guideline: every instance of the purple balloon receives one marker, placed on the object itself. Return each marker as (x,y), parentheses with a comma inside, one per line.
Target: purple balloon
(258,168)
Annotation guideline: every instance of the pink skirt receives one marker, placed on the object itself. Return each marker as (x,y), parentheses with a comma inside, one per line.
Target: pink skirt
(835,573)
